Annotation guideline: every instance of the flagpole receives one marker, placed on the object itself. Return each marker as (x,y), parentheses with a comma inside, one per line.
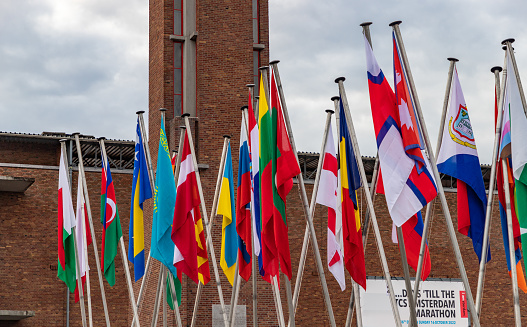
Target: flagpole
(155,313)
(312,205)
(234,293)
(303,195)
(517,313)
(490,199)
(85,246)
(437,177)
(174,298)
(164,288)
(426,228)
(123,253)
(77,268)
(369,201)
(208,224)
(512,256)
(151,179)
(406,270)
(90,220)
(254,257)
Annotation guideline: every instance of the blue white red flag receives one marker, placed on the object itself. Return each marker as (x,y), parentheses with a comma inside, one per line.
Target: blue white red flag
(458,158)
(243,205)
(408,185)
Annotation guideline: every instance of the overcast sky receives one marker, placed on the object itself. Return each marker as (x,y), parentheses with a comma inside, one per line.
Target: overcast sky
(83,65)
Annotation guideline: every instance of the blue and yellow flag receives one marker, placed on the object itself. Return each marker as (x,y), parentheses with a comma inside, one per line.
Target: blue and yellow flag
(141,191)
(227,208)
(162,247)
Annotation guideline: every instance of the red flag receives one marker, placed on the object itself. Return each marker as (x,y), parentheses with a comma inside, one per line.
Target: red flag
(190,253)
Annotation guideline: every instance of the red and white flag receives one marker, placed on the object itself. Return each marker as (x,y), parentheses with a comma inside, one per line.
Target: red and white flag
(327,195)
(82,232)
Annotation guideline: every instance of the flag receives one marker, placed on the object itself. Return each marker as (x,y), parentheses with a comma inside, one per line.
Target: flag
(141,191)
(269,248)
(327,195)
(407,183)
(413,234)
(226,207)
(458,158)
(518,135)
(66,221)
(190,251)
(254,144)
(243,205)
(350,183)
(161,245)
(111,233)
(82,231)
(285,167)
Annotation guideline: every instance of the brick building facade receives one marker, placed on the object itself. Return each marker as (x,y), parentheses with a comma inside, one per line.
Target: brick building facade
(202,54)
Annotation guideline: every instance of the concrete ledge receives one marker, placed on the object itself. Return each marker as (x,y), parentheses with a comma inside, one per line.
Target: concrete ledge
(15,184)
(15,314)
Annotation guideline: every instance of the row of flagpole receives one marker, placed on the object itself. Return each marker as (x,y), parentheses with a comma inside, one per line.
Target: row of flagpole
(292,298)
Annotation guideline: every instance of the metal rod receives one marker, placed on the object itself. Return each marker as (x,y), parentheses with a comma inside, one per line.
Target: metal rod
(234,295)
(159,292)
(369,201)
(164,289)
(174,298)
(208,224)
(305,244)
(303,195)
(123,254)
(406,270)
(512,255)
(426,229)
(492,181)
(90,220)
(444,204)
(278,301)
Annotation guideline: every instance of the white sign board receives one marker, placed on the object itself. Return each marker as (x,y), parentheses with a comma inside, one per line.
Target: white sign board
(438,303)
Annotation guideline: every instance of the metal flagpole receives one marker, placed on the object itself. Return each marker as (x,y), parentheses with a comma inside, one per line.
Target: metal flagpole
(517,313)
(164,296)
(377,233)
(85,246)
(404,262)
(490,199)
(512,256)
(77,268)
(174,298)
(428,214)
(123,253)
(253,256)
(312,205)
(263,71)
(303,196)
(157,299)
(151,179)
(446,211)
(90,220)
(208,224)
(278,301)
(234,293)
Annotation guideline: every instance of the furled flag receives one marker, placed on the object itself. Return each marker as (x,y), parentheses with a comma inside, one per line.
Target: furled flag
(408,185)
(269,250)
(243,205)
(82,232)
(285,167)
(141,191)
(111,232)
(505,140)
(350,183)
(177,286)
(226,207)
(458,158)
(254,144)
(327,195)
(190,252)
(162,247)
(66,221)
(518,127)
